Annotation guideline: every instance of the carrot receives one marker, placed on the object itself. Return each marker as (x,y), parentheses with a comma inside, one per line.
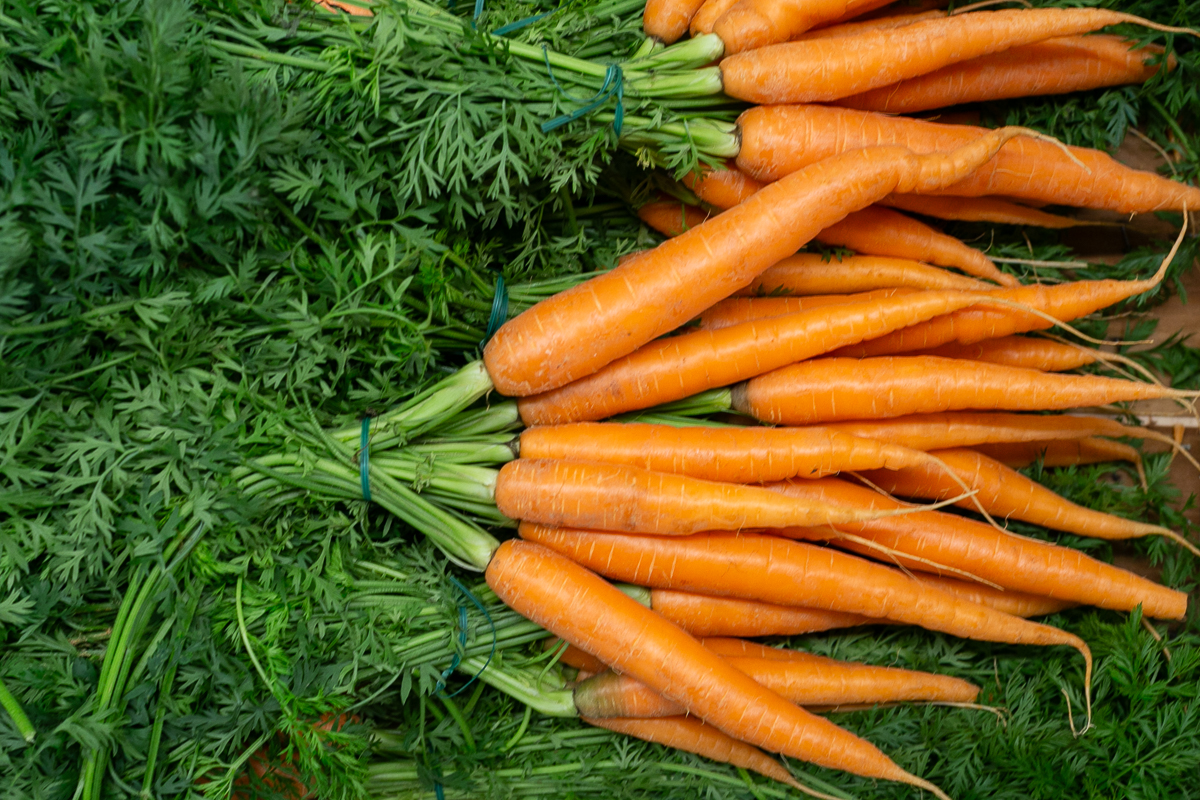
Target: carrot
(1019,604)
(879,231)
(572,656)
(754,23)
(707,16)
(877,24)
(778,140)
(622,498)
(578,606)
(667,20)
(693,736)
(578,331)
(671,217)
(992,556)
(1006,493)
(680,366)
(733,647)
(982,209)
(703,615)
(832,389)
(806,680)
(736,310)
(811,273)
(723,188)
(1055,66)
(1019,351)
(1089,450)
(784,73)
(781,571)
(730,454)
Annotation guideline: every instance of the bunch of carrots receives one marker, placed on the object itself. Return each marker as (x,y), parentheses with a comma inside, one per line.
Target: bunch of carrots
(885,369)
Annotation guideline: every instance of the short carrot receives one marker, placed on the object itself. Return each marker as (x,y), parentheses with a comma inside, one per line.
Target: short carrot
(578,331)
(811,273)
(833,389)
(982,209)
(1019,351)
(667,20)
(1054,66)
(996,557)
(671,217)
(777,140)
(581,608)
(1006,493)
(723,188)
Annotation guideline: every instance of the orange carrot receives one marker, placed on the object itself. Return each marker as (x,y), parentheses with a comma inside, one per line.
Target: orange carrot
(1019,604)
(622,498)
(578,606)
(781,571)
(788,73)
(832,389)
(723,188)
(981,209)
(778,140)
(671,217)
(1019,351)
(1089,450)
(707,16)
(1006,493)
(736,310)
(754,23)
(989,555)
(706,616)
(877,24)
(731,454)
(667,20)
(578,331)
(810,273)
(572,656)
(680,366)
(1055,66)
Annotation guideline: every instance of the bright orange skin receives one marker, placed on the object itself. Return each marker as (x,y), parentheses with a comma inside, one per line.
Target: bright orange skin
(576,332)
(980,209)
(834,389)
(681,366)
(954,542)
(1088,450)
(671,217)
(623,498)
(755,23)
(811,273)
(733,454)
(883,23)
(1055,66)
(667,20)
(707,16)
(693,736)
(585,610)
(778,140)
(723,188)
(736,310)
(1019,351)
(1019,604)
(1005,493)
(820,70)
(777,570)
(702,615)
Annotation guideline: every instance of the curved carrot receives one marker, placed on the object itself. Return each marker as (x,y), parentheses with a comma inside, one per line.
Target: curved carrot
(879,231)
(707,616)
(1089,450)
(754,23)
(736,310)
(578,606)
(1012,562)
(1019,351)
(730,454)
(578,331)
(1003,492)
(833,389)
(784,73)
(622,498)
(1055,66)
(1019,604)
(693,736)
(811,273)
(982,209)
(777,140)
(671,217)
(680,366)
(667,20)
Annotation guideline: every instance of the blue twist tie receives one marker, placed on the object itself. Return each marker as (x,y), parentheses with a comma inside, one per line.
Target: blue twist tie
(499,310)
(505,30)
(614,85)
(364,456)
(462,641)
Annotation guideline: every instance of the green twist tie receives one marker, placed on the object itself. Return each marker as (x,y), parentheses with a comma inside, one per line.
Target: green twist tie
(499,310)
(462,641)
(505,30)
(364,456)
(614,85)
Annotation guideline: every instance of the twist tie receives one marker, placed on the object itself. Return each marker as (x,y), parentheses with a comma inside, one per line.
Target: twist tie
(505,30)
(462,641)
(499,310)
(614,85)
(364,457)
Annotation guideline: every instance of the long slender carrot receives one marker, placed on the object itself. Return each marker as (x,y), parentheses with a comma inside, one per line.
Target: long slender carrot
(833,389)
(1012,562)
(1019,351)
(982,209)
(693,736)
(730,454)
(705,615)
(785,73)
(578,331)
(1055,66)
(1089,450)
(667,20)
(1003,492)
(578,606)
(736,310)
(781,571)
(623,498)
(1019,604)
(853,28)
(680,366)
(777,140)
(810,273)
